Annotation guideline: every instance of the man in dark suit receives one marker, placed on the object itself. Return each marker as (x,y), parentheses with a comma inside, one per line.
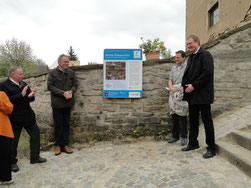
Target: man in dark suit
(198,85)
(22,116)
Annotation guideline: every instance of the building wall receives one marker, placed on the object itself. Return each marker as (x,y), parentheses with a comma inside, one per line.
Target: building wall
(231,13)
(74,63)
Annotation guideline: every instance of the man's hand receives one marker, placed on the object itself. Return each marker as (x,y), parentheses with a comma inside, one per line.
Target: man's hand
(181,89)
(24,90)
(68,94)
(173,90)
(32,94)
(189,88)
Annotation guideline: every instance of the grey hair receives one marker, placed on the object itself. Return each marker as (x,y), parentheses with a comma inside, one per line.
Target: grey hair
(13,69)
(61,57)
(195,38)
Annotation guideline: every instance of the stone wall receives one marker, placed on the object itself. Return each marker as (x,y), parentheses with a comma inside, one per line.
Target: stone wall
(232,61)
(96,117)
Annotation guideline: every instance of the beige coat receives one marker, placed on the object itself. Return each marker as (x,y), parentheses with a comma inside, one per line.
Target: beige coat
(177,106)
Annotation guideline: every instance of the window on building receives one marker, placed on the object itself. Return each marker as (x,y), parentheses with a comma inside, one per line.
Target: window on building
(214,15)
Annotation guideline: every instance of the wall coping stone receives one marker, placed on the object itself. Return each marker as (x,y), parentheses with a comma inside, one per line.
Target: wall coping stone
(225,35)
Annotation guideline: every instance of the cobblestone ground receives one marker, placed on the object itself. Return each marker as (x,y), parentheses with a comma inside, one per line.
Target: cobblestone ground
(144,164)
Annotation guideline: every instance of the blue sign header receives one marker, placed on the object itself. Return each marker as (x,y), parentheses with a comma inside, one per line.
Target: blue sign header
(122,54)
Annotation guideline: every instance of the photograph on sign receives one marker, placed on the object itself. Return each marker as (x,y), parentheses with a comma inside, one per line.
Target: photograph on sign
(115,70)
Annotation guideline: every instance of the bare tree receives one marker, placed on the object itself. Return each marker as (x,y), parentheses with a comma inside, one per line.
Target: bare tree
(41,65)
(15,52)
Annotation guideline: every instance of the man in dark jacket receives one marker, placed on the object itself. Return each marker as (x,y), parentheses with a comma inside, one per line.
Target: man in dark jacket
(198,84)
(22,116)
(62,84)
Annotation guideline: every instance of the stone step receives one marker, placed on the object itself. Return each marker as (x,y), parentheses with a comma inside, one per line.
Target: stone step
(237,155)
(243,138)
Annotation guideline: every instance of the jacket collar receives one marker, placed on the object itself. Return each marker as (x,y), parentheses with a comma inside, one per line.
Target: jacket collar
(199,51)
(21,83)
(62,71)
(13,81)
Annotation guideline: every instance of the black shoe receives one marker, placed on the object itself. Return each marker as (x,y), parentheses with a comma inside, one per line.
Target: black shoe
(209,154)
(188,148)
(39,160)
(14,168)
(6,182)
(172,140)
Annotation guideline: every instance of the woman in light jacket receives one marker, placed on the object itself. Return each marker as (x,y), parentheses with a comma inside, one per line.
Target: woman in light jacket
(6,136)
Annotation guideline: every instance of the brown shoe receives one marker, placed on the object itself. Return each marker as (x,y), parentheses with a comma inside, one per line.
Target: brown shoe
(67,150)
(57,150)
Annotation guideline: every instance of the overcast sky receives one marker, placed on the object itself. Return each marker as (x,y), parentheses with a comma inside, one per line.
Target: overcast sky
(50,27)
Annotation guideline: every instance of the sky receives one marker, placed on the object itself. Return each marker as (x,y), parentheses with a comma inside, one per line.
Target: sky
(50,27)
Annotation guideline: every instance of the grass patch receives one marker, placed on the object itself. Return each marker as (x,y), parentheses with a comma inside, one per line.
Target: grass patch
(23,145)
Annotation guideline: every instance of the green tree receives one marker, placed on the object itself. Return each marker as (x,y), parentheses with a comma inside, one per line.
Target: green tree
(72,55)
(15,52)
(3,67)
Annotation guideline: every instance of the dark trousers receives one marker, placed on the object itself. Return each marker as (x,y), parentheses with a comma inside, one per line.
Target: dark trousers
(205,109)
(61,118)
(179,126)
(34,134)
(5,158)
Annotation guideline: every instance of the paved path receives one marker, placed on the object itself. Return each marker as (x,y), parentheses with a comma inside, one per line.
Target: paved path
(145,164)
